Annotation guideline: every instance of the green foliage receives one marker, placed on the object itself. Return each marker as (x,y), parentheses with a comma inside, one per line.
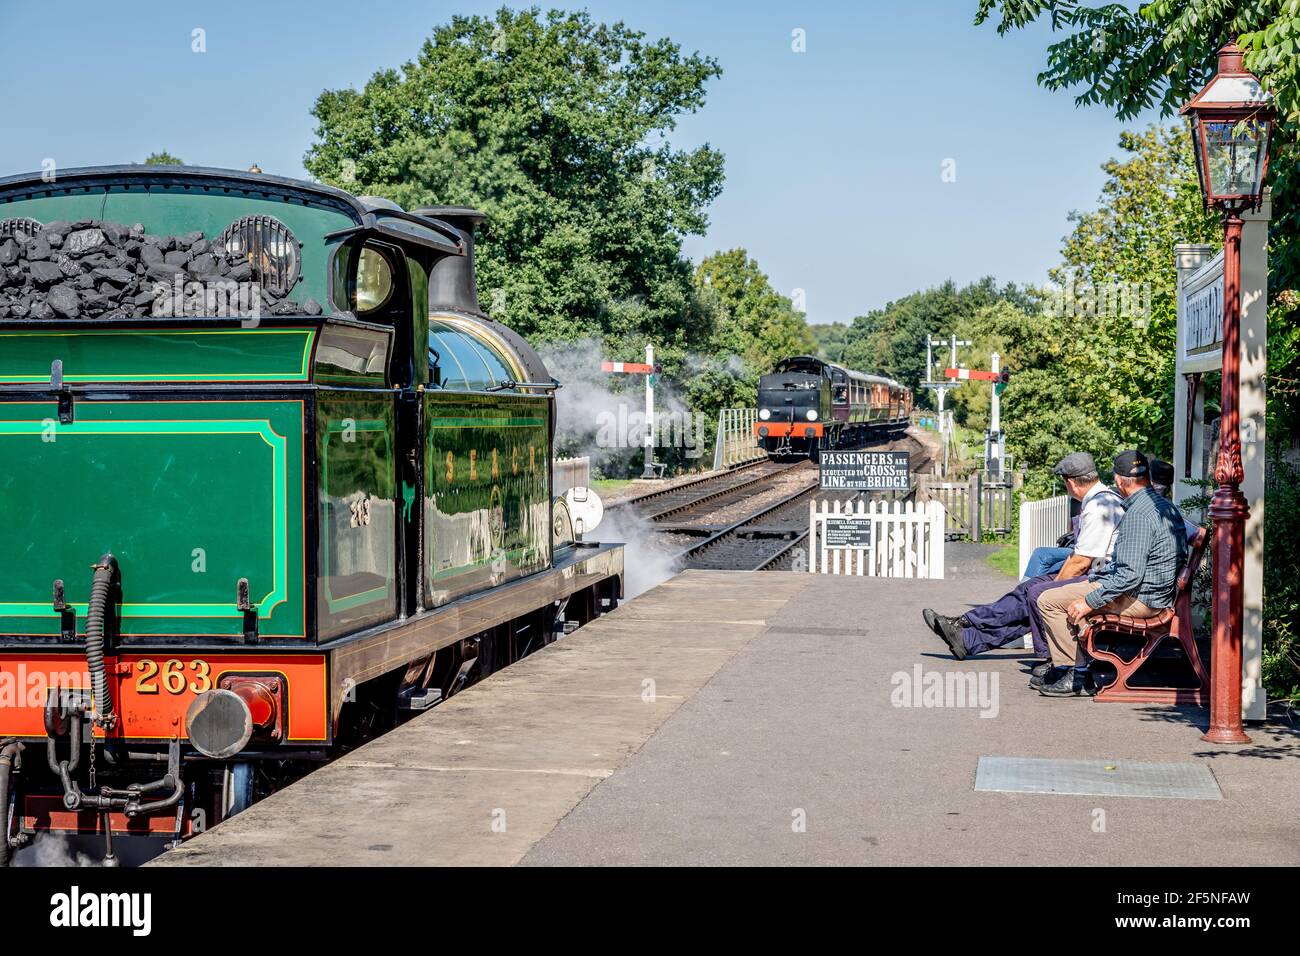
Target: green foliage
(1281,584)
(754,321)
(1122,253)
(891,341)
(556,126)
(1160,54)
(162,159)
(832,339)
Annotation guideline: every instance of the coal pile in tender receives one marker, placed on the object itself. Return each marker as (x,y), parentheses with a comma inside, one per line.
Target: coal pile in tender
(90,269)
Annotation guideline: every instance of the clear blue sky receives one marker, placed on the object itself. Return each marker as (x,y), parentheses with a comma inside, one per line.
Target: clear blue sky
(834,156)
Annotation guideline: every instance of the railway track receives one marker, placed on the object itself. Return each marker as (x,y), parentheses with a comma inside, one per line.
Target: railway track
(767,539)
(712,490)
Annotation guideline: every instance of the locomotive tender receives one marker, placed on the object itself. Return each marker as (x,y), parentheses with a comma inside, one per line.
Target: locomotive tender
(806,405)
(233,545)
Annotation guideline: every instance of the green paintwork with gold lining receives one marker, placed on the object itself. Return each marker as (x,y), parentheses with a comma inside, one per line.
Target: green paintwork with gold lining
(189,496)
(139,354)
(359,511)
(487,491)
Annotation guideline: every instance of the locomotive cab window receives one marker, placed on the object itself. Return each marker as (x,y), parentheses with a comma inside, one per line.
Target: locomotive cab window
(373,286)
(369,281)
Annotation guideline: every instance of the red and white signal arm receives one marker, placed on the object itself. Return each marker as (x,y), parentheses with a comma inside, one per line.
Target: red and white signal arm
(628,368)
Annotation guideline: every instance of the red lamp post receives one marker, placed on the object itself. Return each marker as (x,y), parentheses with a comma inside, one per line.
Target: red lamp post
(1232,118)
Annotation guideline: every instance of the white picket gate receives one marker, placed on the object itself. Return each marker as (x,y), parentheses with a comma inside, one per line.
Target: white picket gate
(906,539)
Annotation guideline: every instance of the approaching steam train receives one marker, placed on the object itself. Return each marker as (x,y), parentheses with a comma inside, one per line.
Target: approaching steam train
(235,542)
(806,405)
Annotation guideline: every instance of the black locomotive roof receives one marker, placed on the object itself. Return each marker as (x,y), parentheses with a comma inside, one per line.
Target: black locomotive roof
(813,365)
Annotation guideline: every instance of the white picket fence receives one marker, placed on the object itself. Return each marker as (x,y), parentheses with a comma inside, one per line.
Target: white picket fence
(906,539)
(569,473)
(1041,524)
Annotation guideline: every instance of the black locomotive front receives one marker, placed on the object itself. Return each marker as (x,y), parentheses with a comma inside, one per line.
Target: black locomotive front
(793,407)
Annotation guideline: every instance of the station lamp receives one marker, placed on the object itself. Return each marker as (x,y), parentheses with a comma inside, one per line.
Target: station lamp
(1232,119)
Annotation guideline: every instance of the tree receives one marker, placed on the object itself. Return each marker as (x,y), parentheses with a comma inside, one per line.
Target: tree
(755,322)
(1119,266)
(162,159)
(555,126)
(891,341)
(1159,54)
(832,340)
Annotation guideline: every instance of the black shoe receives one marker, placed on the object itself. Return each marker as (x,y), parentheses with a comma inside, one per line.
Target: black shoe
(1049,676)
(1041,669)
(1070,684)
(950,631)
(932,620)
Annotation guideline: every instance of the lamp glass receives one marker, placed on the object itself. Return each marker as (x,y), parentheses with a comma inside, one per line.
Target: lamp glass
(1234,155)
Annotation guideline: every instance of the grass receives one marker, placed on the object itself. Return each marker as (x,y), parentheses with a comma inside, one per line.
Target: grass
(1006,559)
(605,486)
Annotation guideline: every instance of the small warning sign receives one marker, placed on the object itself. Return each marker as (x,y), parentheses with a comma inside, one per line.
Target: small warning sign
(847,532)
(866,470)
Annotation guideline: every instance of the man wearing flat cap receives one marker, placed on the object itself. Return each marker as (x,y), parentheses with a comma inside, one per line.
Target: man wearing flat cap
(1006,620)
(1162,480)
(1140,579)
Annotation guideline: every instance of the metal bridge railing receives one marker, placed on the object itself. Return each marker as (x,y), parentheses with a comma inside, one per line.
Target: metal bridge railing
(736,442)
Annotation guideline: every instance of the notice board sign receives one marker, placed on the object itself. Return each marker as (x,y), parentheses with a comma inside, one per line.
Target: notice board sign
(846,532)
(866,470)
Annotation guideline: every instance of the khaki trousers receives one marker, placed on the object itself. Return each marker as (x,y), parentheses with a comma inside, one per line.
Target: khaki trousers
(1062,640)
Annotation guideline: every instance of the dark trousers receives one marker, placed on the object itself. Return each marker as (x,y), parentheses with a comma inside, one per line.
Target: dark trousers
(1010,616)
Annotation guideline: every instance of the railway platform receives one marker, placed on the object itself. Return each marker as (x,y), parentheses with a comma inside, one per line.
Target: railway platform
(773,718)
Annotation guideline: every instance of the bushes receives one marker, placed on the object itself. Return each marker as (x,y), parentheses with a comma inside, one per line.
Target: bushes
(1281,583)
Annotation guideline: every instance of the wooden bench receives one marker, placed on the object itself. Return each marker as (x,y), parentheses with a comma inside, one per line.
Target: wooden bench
(1173,622)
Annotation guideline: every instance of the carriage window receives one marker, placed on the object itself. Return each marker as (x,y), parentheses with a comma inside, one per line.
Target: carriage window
(374,280)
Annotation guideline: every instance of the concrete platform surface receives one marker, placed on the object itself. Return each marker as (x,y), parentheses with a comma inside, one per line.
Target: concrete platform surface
(789,721)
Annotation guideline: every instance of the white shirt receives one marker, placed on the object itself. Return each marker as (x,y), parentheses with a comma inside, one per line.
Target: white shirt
(1099,517)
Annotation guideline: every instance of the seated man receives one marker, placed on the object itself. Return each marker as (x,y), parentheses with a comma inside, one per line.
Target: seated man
(1162,480)
(1140,580)
(1008,618)
(1047,559)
